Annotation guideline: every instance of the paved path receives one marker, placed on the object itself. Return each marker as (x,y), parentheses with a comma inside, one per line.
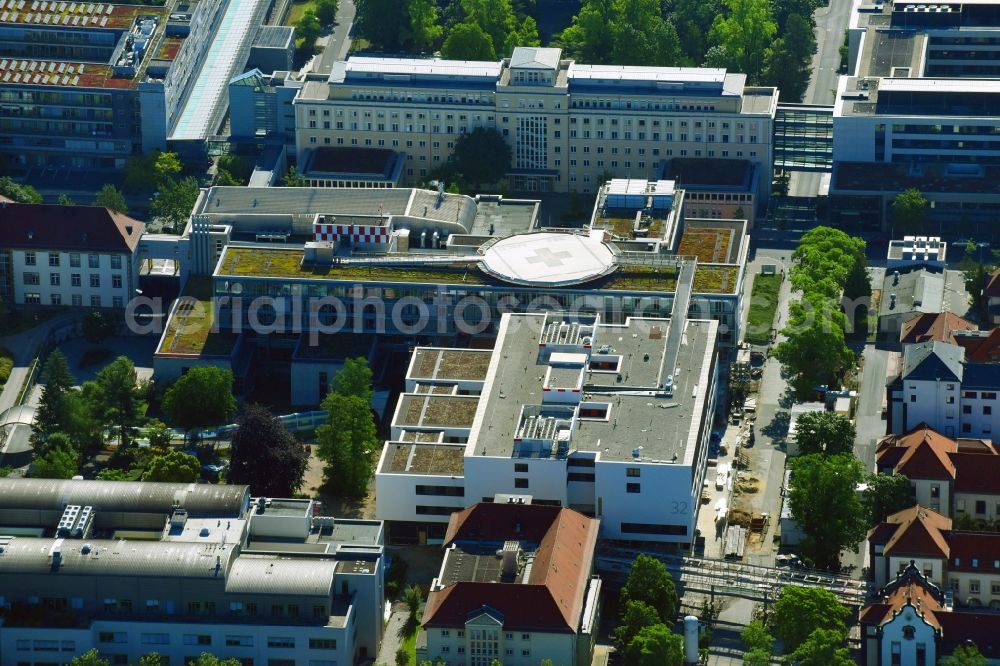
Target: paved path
(336,44)
(25,345)
(392,639)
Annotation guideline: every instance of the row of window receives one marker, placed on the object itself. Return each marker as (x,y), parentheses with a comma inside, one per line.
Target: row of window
(123,660)
(121,637)
(76,300)
(33,278)
(55,259)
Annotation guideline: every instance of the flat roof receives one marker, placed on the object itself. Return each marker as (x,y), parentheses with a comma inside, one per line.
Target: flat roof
(549,259)
(696,173)
(712,241)
(702,75)
(426,410)
(637,417)
(432,363)
(504,218)
(478,565)
(940,85)
(423,67)
(416,458)
(87,15)
(189,331)
(352,160)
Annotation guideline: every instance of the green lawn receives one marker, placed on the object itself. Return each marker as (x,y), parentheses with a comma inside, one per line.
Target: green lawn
(763,303)
(410,645)
(12,323)
(297,9)
(6,364)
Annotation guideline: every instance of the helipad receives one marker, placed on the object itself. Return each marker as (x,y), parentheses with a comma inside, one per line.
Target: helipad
(548,259)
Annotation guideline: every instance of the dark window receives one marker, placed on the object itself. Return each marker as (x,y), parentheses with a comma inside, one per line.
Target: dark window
(521,467)
(446,491)
(987,410)
(966,409)
(632,471)
(322,644)
(632,487)
(654,528)
(520,483)
(580,476)
(581,462)
(980,507)
(437,510)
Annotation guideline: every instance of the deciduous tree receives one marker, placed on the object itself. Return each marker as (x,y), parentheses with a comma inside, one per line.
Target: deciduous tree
(347,443)
(381,22)
(167,166)
(470,148)
(110,197)
(823,647)
(823,260)
(89,658)
(175,200)
(293,179)
(622,32)
(58,462)
(264,455)
(425,29)
(200,398)
(65,200)
(19,192)
(802,610)
(787,63)
(964,655)
(824,502)
(815,351)
(175,467)
(326,11)
(115,399)
(824,432)
(98,326)
(655,646)
(650,582)
(745,32)
(635,616)
(468,41)
(910,212)
(885,495)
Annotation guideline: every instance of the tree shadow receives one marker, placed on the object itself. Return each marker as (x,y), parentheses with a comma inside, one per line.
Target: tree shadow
(777,429)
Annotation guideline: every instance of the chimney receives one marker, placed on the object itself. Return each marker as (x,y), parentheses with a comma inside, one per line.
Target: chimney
(510,553)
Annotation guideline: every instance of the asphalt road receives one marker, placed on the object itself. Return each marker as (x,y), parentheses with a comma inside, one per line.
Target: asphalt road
(339,41)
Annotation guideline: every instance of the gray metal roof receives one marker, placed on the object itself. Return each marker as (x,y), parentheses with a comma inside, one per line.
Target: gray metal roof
(97,557)
(274,36)
(267,575)
(915,291)
(932,361)
(132,497)
(535,57)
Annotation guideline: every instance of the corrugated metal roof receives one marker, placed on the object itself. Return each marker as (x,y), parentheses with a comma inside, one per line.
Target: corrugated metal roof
(265,575)
(96,557)
(423,67)
(131,497)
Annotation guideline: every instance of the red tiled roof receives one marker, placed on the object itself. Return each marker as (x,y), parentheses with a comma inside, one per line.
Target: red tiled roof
(921,453)
(981,349)
(993,284)
(976,473)
(983,629)
(553,596)
(913,593)
(939,326)
(984,547)
(78,228)
(919,531)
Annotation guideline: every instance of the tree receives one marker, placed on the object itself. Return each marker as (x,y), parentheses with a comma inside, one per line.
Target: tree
(52,413)
(468,41)
(525,34)
(470,148)
(823,647)
(823,259)
(885,495)
(264,455)
(815,351)
(787,63)
(346,443)
(89,658)
(649,582)
(824,432)
(98,326)
(117,402)
(964,655)
(175,467)
(326,11)
(757,657)
(745,31)
(158,435)
(381,22)
(112,474)
(154,659)
(824,502)
(910,212)
(425,30)
(59,462)
(308,29)
(65,200)
(622,32)
(858,284)
(167,166)
(495,17)
(402,656)
(19,192)
(175,200)
(355,378)
(293,179)
(201,397)
(140,173)
(412,596)
(207,659)
(635,616)
(655,646)
(800,611)
(110,197)
(757,637)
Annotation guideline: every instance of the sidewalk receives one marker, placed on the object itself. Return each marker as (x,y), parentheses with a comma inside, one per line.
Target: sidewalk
(24,346)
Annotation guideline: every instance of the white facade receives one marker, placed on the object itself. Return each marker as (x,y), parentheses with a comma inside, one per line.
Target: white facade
(99,279)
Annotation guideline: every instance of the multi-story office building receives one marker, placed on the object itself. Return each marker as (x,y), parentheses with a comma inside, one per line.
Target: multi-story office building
(538,601)
(919,109)
(180,569)
(431,268)
(67,255)
(568,124)
(83,85)
(612,420)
